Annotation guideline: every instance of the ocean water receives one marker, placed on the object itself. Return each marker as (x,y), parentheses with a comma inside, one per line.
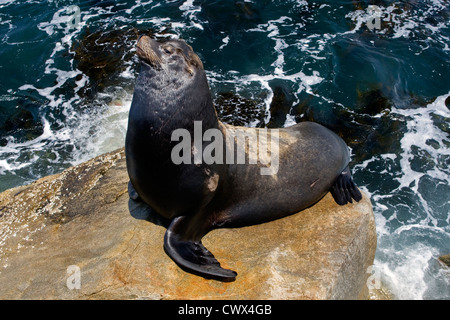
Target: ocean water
(375,72)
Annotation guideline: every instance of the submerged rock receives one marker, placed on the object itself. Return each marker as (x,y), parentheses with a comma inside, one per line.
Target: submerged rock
(280,105)
(371,129)
(104,55)
(76,235)
(23,124)
(445,260)
(238,111)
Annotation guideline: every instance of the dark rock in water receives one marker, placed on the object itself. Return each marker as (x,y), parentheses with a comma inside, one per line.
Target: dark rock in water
(379,136)
(247,11)
(238,111)
(22,124)
(373,102)
(441,122)
(422,160)
(447,102)
(433,143)
(445,260)
(104,55)
(402,10)
(22,119)
(370,129)
(280,106)
(225,15)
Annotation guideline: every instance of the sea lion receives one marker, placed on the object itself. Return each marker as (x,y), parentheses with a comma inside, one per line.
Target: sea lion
(197,194)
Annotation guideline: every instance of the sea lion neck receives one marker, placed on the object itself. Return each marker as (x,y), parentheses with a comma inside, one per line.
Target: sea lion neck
(172,102)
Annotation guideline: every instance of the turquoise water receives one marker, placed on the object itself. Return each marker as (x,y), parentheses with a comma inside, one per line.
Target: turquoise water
(67,71)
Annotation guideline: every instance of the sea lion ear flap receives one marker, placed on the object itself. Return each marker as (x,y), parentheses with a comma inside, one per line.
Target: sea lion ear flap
(196,61)
(189,70)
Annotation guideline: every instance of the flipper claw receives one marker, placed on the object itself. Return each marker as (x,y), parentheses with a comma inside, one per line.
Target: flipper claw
(344,189)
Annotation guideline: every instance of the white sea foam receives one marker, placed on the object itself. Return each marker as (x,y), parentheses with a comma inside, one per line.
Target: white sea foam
(12,151)
(225,42)
(406,254)
(6,2)
(104,133)
(405,259)
(190,11)
(305,83)
(405,21)
(65,19)
(272,30)
(421,130)
(138,4)
(290,121)
(405,272)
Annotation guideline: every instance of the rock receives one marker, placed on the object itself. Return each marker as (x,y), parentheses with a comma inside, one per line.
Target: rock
(104,55)
(371,128)
(76,235)
(23,124)
(445,260)
(280,105)
(238,111)
(382,293)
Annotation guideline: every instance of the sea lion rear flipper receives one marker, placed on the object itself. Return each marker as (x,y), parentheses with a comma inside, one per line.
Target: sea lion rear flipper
(344,189)
(192,256)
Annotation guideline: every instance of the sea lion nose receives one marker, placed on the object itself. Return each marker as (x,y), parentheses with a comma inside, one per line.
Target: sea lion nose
(145,49)
(143,40)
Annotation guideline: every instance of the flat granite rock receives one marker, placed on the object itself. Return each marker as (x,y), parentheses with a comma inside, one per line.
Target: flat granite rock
(76,235)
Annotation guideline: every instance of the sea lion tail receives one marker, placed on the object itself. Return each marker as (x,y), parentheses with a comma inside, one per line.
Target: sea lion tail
(192,256)
(344,189)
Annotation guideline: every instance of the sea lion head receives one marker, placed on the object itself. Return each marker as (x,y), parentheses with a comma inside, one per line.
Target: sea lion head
(174,56)
(171,85)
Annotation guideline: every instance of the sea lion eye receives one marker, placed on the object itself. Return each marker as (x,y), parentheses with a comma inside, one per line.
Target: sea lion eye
(168,49)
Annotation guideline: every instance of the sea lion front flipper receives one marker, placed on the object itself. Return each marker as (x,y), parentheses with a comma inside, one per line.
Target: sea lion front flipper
(192,256)
(132,192)
(344,189)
